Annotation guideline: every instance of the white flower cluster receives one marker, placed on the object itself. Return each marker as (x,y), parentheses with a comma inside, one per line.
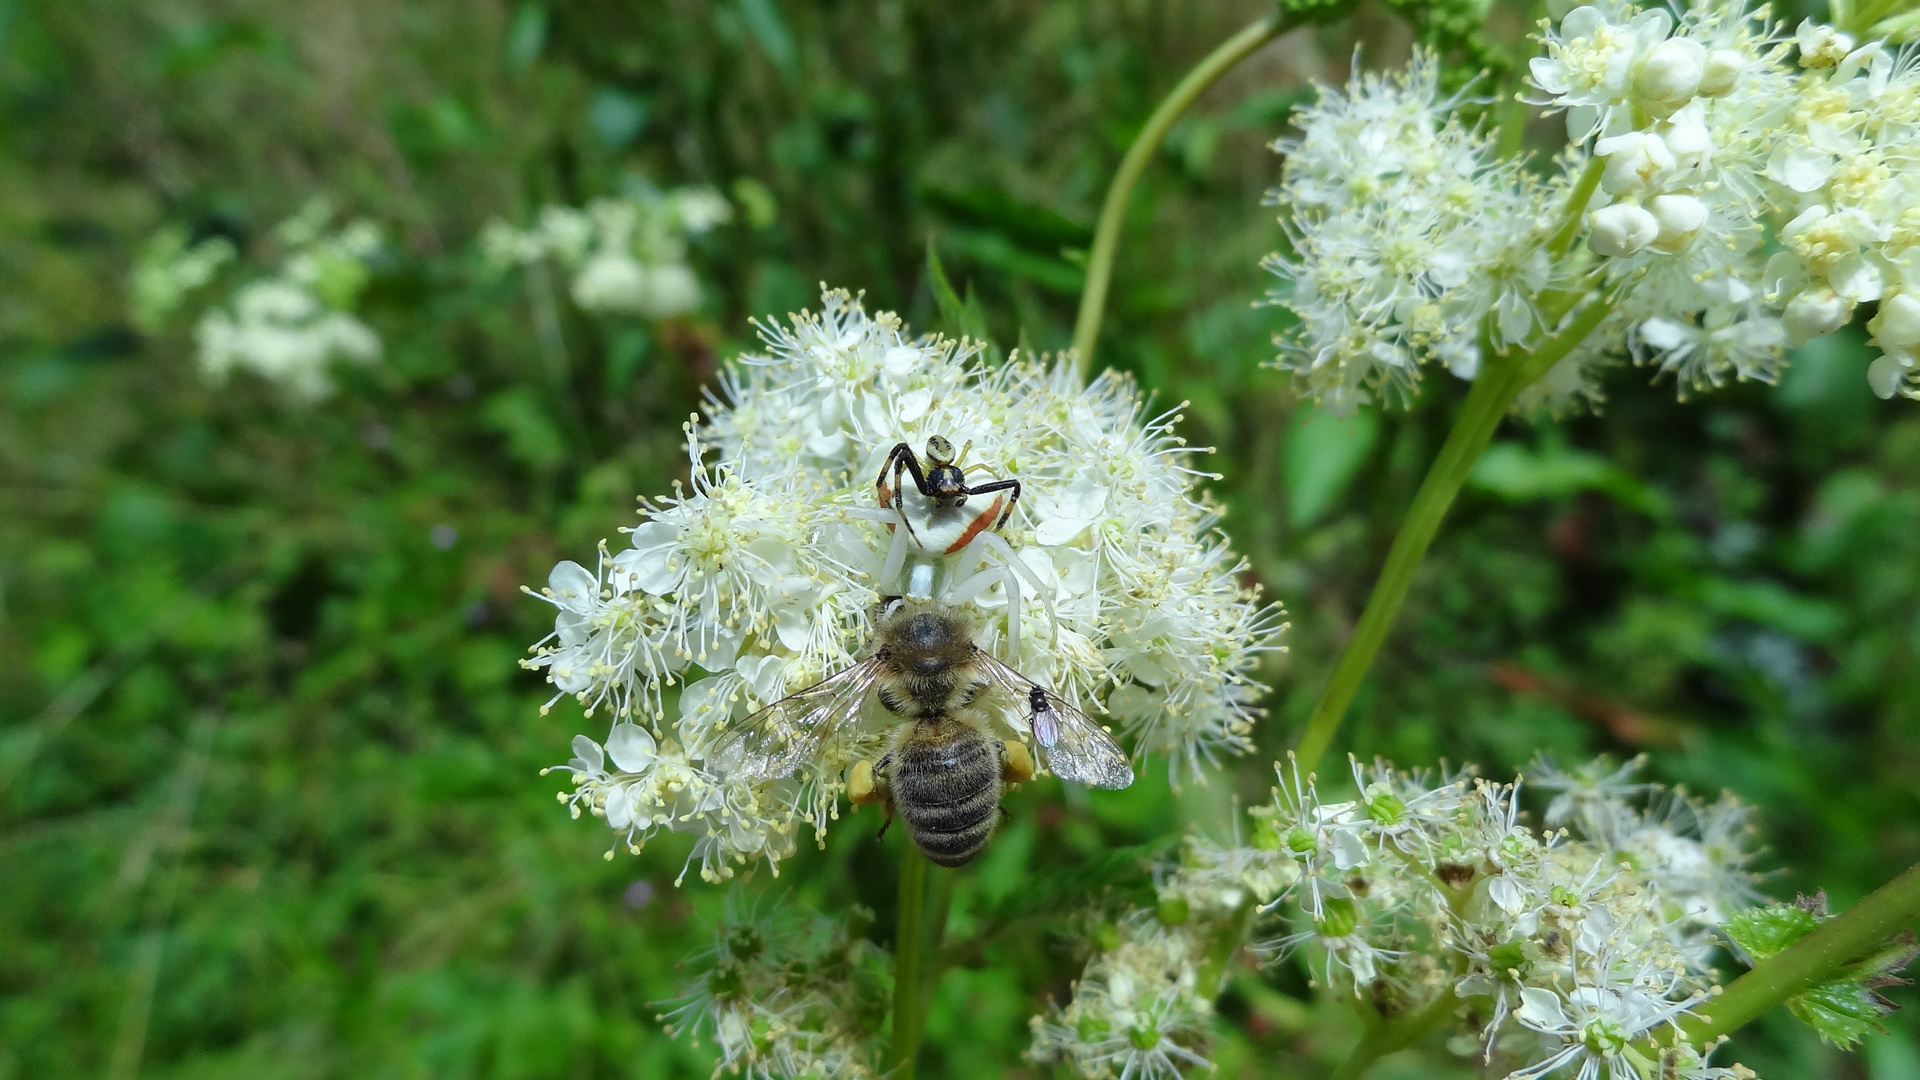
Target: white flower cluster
(1108,584)
(1409,240)
(784,995)
(627,255)
(1697,141)
(1137,1011)
(289,326)
(1707,129)
(1557,951)
(171,266)
(1141,1008)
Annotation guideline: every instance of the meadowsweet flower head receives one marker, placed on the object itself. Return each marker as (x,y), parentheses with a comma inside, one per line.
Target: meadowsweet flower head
(1137,1011)
(170,267)
(288,327)
(1707,133)
(1562,950)
(626,255)
(1407,236)
(784,995)
(1106,583)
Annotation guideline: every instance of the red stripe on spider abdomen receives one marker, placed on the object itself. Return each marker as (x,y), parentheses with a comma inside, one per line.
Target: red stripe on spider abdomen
(980,523)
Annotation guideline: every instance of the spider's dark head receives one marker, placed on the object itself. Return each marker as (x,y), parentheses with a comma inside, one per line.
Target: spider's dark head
(948,482)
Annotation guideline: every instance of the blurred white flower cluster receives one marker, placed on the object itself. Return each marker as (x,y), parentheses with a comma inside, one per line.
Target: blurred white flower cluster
(170,267)
(626,255)
(785,995)
(288,327)
(1555,949)
(1137,1011)
(1699,143)
(1109,583)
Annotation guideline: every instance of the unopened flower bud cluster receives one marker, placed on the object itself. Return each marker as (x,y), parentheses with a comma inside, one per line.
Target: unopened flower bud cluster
(1563,947)
(784,995)
(1695,141)
(626,255)
(289,326)
(759,578)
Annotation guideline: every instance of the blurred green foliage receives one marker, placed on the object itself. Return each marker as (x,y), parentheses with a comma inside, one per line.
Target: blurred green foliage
(269,791)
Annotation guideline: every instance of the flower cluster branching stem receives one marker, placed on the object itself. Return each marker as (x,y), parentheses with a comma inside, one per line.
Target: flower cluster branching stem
(1487,403)
(1817,958)
(1106,235)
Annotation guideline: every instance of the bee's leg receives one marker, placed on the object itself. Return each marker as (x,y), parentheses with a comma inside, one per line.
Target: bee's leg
(873,775)
(864,784)
(1016,763)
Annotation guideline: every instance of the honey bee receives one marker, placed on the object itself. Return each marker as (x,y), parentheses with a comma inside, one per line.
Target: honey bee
(943,770)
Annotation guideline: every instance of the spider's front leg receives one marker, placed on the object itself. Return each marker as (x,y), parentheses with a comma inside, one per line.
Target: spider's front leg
(901,459)
(1000,485)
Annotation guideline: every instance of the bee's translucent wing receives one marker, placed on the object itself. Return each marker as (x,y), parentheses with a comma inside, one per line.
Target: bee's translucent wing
(1072,746)
(779,739)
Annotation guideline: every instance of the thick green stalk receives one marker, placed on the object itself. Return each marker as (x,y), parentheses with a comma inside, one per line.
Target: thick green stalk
(1492,395)
(908,937)
(1106,234)
(1487,404)
(1814,959)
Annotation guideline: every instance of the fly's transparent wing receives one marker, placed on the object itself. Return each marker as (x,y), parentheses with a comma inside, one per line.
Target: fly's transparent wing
(779,739)
(1072,746)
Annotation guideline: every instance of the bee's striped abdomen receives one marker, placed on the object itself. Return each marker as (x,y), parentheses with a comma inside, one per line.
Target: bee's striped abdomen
(946,784)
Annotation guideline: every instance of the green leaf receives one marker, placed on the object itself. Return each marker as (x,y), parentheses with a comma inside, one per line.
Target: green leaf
(1323,454)
(996,252)
(769,30)
(1513,472)
(1843,1013)
(1762,933)
(958,318)
(526,35)
(1770,604)
(1846,1009)
(617,117)
(1034,226)
(532,436)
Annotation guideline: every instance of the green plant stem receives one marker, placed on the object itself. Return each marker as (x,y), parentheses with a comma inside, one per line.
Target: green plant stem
(1814,959)
(1492,395)
(908,937)
(1397,1035)
(1106,234)
(1582,194)
(1222,946)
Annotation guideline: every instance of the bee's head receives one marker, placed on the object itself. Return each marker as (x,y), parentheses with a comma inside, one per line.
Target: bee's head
(924,639)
